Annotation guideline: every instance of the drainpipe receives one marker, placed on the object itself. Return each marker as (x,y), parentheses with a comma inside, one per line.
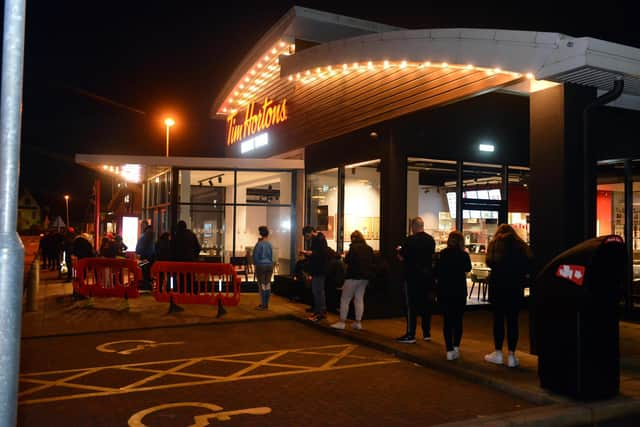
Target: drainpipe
(588,175)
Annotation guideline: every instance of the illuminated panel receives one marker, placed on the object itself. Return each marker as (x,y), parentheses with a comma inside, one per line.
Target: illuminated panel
(130,231)
(255,142)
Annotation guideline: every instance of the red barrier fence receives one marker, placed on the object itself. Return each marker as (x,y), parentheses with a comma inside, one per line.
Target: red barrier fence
(106,277)
(195,283)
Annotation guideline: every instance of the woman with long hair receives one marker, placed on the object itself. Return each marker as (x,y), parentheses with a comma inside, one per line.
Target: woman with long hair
(509,257)
(451,272)
(359,262)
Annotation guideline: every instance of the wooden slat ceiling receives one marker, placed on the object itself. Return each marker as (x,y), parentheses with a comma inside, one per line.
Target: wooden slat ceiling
(325,103)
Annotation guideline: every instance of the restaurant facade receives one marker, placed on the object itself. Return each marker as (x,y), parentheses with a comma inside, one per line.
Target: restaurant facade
(348,124)
(467,128)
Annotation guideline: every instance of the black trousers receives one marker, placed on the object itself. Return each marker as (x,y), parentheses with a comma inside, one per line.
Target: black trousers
(452,312)
(418,304)
(508,312)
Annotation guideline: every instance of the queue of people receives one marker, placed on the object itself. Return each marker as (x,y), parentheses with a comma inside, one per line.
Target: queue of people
(443,277)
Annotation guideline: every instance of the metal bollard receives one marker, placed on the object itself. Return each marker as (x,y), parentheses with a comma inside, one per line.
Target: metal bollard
(34,284)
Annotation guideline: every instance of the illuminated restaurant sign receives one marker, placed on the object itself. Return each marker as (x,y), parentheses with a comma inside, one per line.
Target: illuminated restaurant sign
(269,114)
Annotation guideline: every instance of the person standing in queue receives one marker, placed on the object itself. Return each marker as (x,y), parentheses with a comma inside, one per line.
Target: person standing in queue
(509,258)
(451,271)
(416,252)
(263,261)
(318,261)
(145,252)
(360,268)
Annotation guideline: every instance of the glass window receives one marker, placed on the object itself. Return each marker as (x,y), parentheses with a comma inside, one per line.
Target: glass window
(518,204)
(481,193)
(362,202)
(610,200)
(278,220)
(431,194)
(264,188)
(322,197)
(205,203)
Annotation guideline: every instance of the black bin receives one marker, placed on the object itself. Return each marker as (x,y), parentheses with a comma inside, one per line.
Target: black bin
(577,301)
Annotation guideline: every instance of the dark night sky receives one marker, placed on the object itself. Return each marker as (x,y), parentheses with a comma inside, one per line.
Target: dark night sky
(151,58)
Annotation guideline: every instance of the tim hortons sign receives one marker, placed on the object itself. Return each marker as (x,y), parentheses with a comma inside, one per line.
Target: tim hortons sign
(255,119)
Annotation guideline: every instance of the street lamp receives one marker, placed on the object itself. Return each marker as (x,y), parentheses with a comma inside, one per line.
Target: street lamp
(66,200)
(168,123)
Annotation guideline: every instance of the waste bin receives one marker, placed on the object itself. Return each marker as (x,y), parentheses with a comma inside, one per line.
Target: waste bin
(577,299)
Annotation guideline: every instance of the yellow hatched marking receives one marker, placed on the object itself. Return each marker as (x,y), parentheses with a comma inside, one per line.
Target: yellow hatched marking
(270,358)
(257,364)
(162,374)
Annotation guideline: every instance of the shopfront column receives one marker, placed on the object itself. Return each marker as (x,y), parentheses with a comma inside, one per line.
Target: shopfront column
(556,161)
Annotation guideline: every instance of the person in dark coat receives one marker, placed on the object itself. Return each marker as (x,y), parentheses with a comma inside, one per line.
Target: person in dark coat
(318,260)
(451,271)
(145,251)
(185,246)
(509,257)
(107,249)
(82,247)
(360,268)
(416,252)
(119,247)
(163,247)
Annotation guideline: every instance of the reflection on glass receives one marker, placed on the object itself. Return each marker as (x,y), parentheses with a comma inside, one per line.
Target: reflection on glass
(518,206)
(322,195)
(362,202)
(431,194)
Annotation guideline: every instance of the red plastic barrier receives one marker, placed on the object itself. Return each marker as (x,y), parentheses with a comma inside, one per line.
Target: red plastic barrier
(195,283)
(106,277)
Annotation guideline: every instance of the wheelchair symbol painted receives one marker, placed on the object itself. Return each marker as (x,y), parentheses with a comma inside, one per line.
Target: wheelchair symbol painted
(133,345)
(200,420)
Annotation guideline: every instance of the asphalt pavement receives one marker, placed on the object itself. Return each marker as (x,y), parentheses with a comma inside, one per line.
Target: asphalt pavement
(57,316)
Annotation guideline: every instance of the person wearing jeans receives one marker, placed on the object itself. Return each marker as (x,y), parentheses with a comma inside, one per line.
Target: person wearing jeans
(359,262)
(263,261)
(318,257)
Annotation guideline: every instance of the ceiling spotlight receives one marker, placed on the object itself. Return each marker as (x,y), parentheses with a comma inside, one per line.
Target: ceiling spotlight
(220,179)
(200,183)
(210,183)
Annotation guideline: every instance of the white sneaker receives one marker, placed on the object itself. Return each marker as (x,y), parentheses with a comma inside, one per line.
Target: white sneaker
(457,351)
(357,326)
(495,357)
(512,361)
(452,355)
(338,325)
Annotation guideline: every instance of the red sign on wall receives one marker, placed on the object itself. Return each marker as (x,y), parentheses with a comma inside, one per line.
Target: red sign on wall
(573,273)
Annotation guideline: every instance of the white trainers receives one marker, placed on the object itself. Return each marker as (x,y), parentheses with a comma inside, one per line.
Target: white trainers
(495,357)
(512,360)
(357,326)
(452,355)
(457,351)
(338,325)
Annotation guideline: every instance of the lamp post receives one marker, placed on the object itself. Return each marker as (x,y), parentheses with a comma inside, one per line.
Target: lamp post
(168,122)
(66,200)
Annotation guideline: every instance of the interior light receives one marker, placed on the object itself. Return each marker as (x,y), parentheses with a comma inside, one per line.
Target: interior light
(445,65)
(489,148)
(403,64)
(530,76)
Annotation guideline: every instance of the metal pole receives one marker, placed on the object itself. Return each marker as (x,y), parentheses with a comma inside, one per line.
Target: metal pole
(167,155)
(11,248)
(66,199)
